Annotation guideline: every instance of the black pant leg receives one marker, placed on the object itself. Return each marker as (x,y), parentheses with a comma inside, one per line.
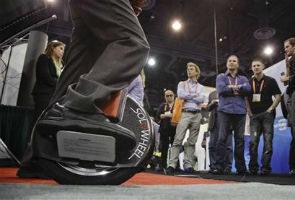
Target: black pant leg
(229,152)
(255,132)
(212,146)
(239,129)
(268,131)
(113,24)
(224,130)
(292,151)
(164,139)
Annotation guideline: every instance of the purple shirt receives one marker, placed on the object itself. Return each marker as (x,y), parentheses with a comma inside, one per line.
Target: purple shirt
(136,91)
(229,102)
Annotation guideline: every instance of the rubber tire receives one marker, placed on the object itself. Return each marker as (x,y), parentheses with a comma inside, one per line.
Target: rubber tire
(55,171)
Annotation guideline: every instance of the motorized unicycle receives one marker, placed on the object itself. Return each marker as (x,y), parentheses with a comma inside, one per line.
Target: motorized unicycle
(92,159)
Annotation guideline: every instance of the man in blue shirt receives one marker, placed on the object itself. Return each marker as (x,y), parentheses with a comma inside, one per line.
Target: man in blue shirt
(232,90)
(192,93)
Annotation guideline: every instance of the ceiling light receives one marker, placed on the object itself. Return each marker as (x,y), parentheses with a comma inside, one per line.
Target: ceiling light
(151,61)
(176,25)
(50,1)
(268,51)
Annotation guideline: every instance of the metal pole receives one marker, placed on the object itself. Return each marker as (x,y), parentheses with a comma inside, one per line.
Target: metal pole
(215,38)
(6,72)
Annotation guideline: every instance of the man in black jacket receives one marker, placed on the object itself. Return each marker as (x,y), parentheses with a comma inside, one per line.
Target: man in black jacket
(167,131)
(213,129)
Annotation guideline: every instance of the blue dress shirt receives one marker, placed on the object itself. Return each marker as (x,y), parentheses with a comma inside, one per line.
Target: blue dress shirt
(193,94)
(229,102)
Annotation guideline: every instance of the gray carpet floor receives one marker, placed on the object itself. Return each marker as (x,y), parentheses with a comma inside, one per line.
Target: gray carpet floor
(238,191)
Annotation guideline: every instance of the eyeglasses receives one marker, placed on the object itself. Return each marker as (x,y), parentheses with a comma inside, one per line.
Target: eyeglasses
(169,95)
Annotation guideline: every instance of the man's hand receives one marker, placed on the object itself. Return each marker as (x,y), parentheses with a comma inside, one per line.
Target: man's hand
(287,60)
(270,109)
(137,5)
(162,116)
(235,88)
(169,115)
(166,115)
(214,101)
(249,112)
(284,78)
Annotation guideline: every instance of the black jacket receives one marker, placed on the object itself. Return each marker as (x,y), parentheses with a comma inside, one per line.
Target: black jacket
(165,124)
(213,110)
(46,77)
(291,86)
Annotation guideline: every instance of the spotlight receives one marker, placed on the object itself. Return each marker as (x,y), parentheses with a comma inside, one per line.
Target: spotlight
(220,39)
(268,51)
(176,25)
(151,62)
(50,1)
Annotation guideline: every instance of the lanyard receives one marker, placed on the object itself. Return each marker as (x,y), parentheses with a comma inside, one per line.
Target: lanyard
(236,80)
(254,86)
(168,106)
(187,83)
(165,108)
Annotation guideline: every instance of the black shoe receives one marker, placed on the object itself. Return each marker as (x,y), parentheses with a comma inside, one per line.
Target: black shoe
(253,172)
(189,170)
(169,171)
(61,118)
(227,171)
(265,172)
(211,170)
(31,172)
(243,172)
(159,169)
(217,171)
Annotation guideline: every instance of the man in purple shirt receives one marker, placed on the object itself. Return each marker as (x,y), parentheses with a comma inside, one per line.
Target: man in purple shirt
(136,90)
(232,90)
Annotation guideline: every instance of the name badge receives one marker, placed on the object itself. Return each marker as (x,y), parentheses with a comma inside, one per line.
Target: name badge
(256,98)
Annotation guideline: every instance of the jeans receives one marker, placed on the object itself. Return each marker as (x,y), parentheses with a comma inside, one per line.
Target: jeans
(290,106)
(228,122)
(261,123)
(228,159)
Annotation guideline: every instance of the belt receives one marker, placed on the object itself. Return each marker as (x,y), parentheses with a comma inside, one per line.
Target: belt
(191,111)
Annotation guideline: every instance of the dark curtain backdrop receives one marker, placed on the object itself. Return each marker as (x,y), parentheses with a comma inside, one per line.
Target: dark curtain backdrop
(15,128)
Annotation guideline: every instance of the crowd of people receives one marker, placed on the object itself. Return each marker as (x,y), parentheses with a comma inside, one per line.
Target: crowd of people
(88,81)
(234,98)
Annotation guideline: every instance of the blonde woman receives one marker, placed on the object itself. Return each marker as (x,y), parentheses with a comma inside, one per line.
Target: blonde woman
(48,70)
